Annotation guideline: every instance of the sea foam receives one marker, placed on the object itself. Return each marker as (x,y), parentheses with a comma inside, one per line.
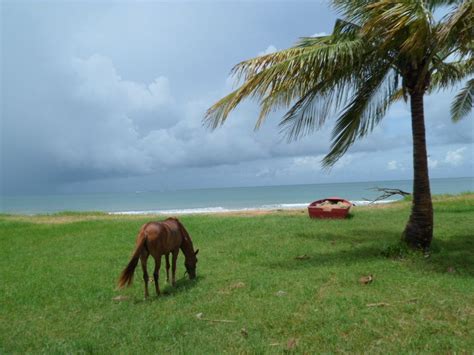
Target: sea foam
(219,209)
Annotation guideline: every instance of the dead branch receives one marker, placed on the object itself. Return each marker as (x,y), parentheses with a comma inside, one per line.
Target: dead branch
(218,320)
(199,316)
(386,193)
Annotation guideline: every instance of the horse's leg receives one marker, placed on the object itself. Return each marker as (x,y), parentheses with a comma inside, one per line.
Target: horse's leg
(156,274)
(167,257)
(173,270)
(143,259)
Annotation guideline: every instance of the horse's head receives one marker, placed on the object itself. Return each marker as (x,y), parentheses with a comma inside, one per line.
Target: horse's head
(190,264)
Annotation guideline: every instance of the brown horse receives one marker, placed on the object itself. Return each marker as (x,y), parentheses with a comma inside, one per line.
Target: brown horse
(158,239)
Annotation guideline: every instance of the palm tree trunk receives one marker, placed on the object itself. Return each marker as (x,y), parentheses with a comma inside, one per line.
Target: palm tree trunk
(419,229)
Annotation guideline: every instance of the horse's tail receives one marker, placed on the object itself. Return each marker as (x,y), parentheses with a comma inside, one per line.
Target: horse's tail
(126,277)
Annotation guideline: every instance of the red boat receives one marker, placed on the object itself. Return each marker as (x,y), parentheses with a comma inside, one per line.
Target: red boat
(331,207)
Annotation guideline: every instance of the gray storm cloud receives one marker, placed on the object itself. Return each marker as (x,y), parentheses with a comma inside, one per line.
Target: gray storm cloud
(95,96)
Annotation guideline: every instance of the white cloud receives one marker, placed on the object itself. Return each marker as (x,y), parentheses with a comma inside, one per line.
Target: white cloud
(455,157)
(265,172)
(344,161)
(394,165)
(308,162)
(98,81)
(270,49)
(432,163)
(128,127)
(319,34)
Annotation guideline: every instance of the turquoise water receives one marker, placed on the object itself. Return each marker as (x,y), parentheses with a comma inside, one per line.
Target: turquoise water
(216,200)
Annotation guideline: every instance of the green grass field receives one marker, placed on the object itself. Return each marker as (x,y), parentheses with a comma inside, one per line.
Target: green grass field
(58,277)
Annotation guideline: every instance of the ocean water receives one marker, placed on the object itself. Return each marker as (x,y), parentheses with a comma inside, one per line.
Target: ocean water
(219,199)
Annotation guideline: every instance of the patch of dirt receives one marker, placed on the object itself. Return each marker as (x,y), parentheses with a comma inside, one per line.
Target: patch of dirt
(232,287)
(120,298)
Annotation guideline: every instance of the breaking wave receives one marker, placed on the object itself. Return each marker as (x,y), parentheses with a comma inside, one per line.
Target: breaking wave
(219,209)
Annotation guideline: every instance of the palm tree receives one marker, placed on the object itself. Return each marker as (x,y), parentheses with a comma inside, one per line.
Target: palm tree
(379,52)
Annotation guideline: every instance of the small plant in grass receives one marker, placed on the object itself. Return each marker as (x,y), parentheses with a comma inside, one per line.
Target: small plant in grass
(396,251)
(400,250)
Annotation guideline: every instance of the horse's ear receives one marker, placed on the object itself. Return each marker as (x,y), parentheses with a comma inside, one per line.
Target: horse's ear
(196,252)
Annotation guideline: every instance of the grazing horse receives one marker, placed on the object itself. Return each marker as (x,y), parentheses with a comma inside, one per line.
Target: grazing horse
(158,239)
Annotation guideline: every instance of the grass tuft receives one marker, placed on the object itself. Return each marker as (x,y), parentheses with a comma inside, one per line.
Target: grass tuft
(398,250)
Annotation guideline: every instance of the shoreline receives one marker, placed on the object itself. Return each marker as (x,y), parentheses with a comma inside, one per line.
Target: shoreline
(215,211)
(78,216)
(252,210)
(195,211)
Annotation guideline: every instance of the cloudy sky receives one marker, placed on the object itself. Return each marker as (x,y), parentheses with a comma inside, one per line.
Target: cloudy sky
(110,96)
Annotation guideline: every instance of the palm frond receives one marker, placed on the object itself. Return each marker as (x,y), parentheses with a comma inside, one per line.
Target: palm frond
(406,25)
(458,26)
(343,27)
(353,11)
(367,107)
(462,104)
(310,112)
(280,78)
(446,74)
(316,52)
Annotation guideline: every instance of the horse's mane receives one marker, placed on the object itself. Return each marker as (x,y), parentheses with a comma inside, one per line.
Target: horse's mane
(186,237)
